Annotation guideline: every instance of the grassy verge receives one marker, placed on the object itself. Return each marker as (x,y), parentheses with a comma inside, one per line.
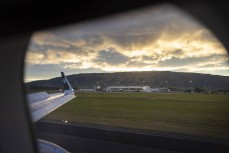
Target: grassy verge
(195,114)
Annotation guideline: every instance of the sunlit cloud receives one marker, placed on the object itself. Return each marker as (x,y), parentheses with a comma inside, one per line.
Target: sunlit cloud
(161,38)
(34,58)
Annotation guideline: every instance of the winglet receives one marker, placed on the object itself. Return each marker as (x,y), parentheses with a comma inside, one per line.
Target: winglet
(67,86)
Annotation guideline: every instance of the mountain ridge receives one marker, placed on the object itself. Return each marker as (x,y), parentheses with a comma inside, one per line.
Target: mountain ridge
(153,79)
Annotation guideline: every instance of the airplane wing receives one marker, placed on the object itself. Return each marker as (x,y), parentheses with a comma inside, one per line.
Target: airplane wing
(42,103)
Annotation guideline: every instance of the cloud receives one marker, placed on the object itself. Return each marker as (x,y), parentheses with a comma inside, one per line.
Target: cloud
(160,38)
(47,38)
(34,58)
(196,61)
(111,56)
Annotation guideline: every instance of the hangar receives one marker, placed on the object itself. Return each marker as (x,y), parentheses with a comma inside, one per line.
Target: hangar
(136,89)
(127,88)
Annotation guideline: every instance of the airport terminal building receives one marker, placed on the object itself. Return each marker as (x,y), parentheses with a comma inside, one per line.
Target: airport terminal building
(127,88)
(136,89)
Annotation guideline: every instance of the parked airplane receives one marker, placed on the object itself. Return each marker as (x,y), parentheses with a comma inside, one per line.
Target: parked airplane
(42,103)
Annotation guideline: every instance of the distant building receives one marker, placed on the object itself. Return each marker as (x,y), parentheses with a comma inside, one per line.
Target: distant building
(126,88)
(160,90)
(136,89)
(87,90)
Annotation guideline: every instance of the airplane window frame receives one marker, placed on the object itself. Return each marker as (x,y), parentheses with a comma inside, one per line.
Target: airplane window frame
(14,42)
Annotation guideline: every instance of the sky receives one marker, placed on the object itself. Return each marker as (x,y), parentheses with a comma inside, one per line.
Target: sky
(159,38)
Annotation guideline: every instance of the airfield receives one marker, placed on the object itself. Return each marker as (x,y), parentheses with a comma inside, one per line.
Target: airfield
(204,115)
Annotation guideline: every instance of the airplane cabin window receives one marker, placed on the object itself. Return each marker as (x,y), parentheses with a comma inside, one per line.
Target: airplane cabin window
(153,70)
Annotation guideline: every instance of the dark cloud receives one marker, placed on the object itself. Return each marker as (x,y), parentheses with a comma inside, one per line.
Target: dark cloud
(127,41)
(112,57)
(93,40)
(135,28)
(35,47)
(67,47)
(178,62)
(128,30)
(206,35)
(137,64)
(155,58)
(177,52)
(173,62)
(44,47)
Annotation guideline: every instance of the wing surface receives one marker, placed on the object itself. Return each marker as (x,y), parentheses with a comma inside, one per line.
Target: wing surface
(42,103)
(40,109)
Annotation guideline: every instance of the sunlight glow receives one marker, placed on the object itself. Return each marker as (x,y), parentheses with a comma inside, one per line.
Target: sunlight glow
(162,40)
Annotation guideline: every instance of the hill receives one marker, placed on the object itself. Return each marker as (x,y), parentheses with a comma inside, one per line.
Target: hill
(146,78)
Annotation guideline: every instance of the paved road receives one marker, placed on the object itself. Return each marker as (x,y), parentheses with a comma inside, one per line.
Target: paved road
(89,145)
(96,139)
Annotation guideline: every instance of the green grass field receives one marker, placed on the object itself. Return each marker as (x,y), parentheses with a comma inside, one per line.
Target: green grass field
(196,114)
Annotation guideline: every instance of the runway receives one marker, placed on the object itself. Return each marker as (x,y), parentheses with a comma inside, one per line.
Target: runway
(83,138)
